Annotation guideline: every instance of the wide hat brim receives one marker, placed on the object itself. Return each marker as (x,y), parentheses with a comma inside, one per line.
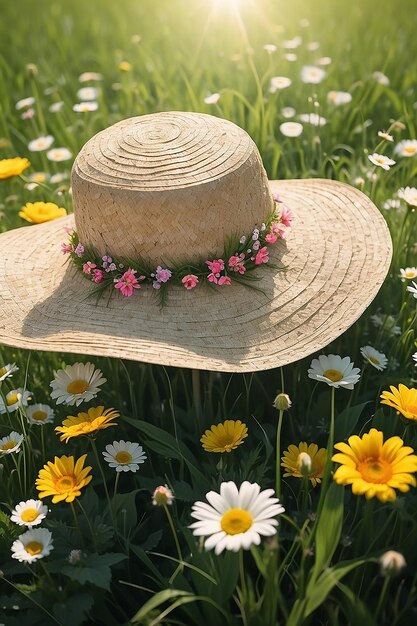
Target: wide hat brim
(326,274)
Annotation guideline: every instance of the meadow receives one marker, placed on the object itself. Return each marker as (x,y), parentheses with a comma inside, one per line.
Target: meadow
(325,89)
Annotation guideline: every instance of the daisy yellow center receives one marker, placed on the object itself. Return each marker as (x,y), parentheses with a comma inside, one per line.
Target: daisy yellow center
(374,360)
(12,399)
(39,416)
(123,457)
(3,371)
(77,386)
(33,548)
(408,275)
(380,160)
(8,445)
(65,483)
(236,521)
(375,470)
(333,375)
(29,515)
(410,149)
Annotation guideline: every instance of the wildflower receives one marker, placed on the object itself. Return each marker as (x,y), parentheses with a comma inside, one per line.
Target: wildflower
(391,203)
(32,545)
(312,118)
(375,468)
(32,69)
(291,44)
(236,518)
(59,154)
(212,98)
(125,456)
(66,248)
(290,56)
(216,267)
(40,212)
(15,399)
(408,273)
(271,238)
(380,160)
(125,66)
(403,400)
(270,48)
(334,370)
(413,289)
(291,129)
(87,76)
(409,195)
(98,276)
(29,513)
(381,78)
(41,143)
(224,437)
(39,414)
(79,250)
(224,280)
(190,281)
(279,82)
(288,112)
(339,97)
(85,107)
(306,460)
(386,322)
(12,167)
(392,563)
(76,383)
(236,263)
(127,283)
(359,181)
(385,136)
(56,107)
(282,402)
(406,148)
(377,359)
(312,75)
(63,479)
(286,216)
(162,274)
(11,443)
(95,419)
(88,267)
(25,103)
(162,496)
(75,557)
(7,371)
(262,256)
(324,61)
(313,46)
(88,93)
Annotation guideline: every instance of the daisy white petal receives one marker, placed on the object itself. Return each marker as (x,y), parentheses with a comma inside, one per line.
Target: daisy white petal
(124,456)
(334,371)
(377,359)
(7,371)
(29,513)
(11,443)
(76,383)
(32,545)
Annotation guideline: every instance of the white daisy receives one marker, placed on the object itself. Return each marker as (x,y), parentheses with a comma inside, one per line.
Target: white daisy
(408,273)
(11,443)
(381,78)
(311,74)
(270,48)
(335,371)
(413,289)
(377,359)
(56,107)
(236,518)
(88,93)
(85,107)
(312,118)
(29,513)
(15,399)
(25,103)
(38,177)
(406,148)
(41,143)
(58,178)
(76,383)
(7,371)
(59,154)
(380,160)
(291,44)
(391,203)
(212,98)
(87,76)
(385,136)
(40,414)
(125,456)
(288,112)
(32,545)
(291,129)
(339,97)
(409,195)
(279,82)
(414,357)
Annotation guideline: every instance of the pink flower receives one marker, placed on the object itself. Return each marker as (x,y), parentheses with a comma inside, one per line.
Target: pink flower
(79,250)
(127,283)
(190,281)
(162,274)
(277,198)
(224,280)
(66,248)
(27,115)
(68,230)
(88,267)
(216,266)
(236,263)
(111,268)
(271,238)
(106,260)
(98,276)
(278,229)
(287,216)
(262,256)
(256,245)
(212,278)
(156,285)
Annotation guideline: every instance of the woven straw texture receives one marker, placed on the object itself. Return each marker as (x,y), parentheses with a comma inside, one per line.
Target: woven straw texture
(326,274)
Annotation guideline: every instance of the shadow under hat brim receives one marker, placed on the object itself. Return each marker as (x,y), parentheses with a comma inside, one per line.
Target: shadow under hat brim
(326,274)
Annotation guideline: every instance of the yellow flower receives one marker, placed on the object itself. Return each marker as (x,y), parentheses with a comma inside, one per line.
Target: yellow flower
(86,423)
(375,468)
(403,399)
(224,437)
(125,66)
(63,479)
(295,460)
(39,212)
(12,167)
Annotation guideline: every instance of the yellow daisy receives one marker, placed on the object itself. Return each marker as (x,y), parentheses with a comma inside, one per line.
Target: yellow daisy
(403,399)
(40,212)
(375,468)
(86,423)
(63,479)
(295,459)
(12,167)
(224,437)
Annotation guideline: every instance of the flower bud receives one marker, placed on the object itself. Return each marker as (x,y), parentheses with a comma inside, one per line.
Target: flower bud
(162,496)
(32,69)
(282,402)
(391,563)
(75,557)
(304,463)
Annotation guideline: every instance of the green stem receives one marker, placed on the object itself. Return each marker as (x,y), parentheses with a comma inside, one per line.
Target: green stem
(177,543)
(93,537)
(116,483)
(77,524)
(93,445)
(382,598)
(278,456)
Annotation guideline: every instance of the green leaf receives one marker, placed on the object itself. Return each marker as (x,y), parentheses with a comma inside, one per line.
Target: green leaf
(329,528)
(156,601)
(73,611)
(346,421)
(151,540)
(125,511)
(95,569)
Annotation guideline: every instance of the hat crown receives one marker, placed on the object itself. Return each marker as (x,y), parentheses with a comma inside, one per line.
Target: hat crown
(168,187)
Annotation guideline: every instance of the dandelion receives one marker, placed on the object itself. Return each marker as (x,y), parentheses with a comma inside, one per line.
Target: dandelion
(406,148)
(32,545)
(15,399)
(76,383)
(87,76)
(63,479)
(88,93)
(311,74)
(59,154)
(375,468)
(41,143)
(339,97)
(85,107)
(162,496)
(291,129)
(236,518)
(11,443)
(403,400)
(25,103)
(95,419)
(380,160)
(392,563)
(335,371)
(279,82)
(7,371)
(224,437)
(12,167)
(413,289)
(377,359)
(40,212)
(212,98)
(312,118)
(29,513)
(39,414)
(305,460)
(409,195)
(385,136)
(125,456)
(408,273)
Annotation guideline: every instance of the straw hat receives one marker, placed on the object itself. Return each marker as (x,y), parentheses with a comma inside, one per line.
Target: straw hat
(175,185)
